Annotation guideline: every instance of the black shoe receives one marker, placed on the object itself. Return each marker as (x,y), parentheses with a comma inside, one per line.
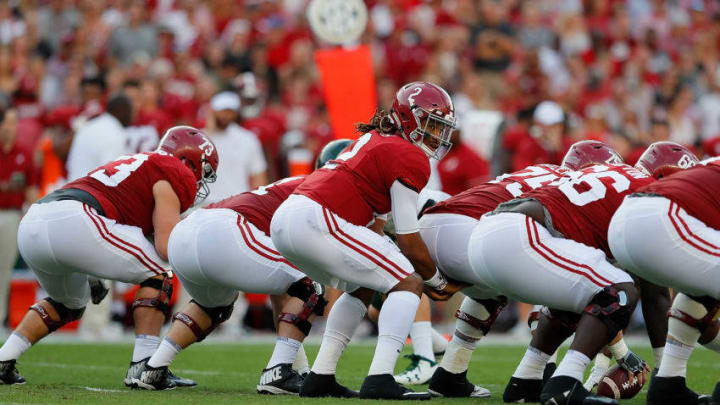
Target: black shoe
(446,384)
(564,390)
(280,380)
(548,372)
(716,395)
(384,386)
(325,385)
(521,390)
(180,381)
(673,390)
(155,379)
(9,375)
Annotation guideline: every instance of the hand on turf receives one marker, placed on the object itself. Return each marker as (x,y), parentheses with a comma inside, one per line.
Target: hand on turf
(636,367)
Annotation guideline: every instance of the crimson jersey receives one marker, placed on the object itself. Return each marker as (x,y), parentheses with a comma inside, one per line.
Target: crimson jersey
(478,200)
(696,190)
(124,187)
(582,205)
(356,185)
(259,205)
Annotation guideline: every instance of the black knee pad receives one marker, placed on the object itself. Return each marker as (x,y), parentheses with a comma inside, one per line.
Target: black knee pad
(162,301)
(217,316)
(65,314)
(613,306)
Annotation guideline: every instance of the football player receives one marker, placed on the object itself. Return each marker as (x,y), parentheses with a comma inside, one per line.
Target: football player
(225,248)
(669,233)
(323,229)
(446,229)
(99,226)
(557,237)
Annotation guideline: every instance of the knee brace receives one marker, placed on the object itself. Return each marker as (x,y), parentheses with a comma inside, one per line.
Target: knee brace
(312,294)
(217,316)
(162,301)
(66,314)
(613,306)
(697,313)
(476,317)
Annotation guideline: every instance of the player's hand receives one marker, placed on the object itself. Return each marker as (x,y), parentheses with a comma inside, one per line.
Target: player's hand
(636,367)
(447,291)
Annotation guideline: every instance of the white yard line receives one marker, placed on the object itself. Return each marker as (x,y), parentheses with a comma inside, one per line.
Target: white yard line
(114,368)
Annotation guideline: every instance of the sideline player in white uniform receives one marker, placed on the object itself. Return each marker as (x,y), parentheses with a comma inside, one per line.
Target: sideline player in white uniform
(98,225)
(224,248)
(322,229)
(546,267)
(669,233)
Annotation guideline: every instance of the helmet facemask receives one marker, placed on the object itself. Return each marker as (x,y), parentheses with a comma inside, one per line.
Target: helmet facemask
(208,176)
(433,133)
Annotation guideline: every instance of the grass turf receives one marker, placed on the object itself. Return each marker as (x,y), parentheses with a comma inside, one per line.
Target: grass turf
(228,373)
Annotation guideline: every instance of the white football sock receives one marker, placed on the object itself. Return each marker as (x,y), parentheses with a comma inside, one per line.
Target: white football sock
(439,342)
(285,351)
(675,358)
(145,346)
(422,339)
(532,365)
(301,364)
(602,361)
(573,365)
(681,337)
(457,355)
(15,345)
(394,324)
(553,358)
(465,338)
(658,353)
(343,319)
(165,353)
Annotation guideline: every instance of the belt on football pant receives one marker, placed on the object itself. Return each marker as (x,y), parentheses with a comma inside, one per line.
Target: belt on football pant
(73,194)
(533,209)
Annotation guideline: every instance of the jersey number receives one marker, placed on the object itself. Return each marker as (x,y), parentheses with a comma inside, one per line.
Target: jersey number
(114,173)
(262,190)
(596,189)
(349,154)
(534,177)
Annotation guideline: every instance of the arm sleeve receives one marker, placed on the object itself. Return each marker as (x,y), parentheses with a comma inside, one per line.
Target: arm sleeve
(404,208)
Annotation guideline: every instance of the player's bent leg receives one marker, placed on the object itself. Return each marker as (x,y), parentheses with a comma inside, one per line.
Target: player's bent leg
(422,361)
(689,318)
(474,320)
(43,318)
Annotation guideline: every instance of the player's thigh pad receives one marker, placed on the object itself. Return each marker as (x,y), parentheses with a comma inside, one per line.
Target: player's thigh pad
(446,237)
(221,249)
(518,257)
(333,251)
(660,242)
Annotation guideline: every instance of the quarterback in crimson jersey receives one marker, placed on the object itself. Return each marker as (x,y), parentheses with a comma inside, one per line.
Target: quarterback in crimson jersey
(322,229)
(110,213)
(556,236)
(669,234)
(225,248)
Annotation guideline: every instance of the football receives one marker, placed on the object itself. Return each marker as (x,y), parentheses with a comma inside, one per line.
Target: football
(616,384)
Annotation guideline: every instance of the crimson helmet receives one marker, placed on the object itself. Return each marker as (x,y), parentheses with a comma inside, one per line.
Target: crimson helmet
(587,153)
(664,158)
(197,151)
(424,112)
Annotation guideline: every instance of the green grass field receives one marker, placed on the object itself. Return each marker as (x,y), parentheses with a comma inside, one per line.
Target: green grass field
(228,373)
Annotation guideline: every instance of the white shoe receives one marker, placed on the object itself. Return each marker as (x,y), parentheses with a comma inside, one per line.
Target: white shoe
(420,371)
(596,374)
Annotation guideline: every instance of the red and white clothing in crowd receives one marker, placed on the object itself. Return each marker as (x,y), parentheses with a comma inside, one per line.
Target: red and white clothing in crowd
(461,169)
(226,247)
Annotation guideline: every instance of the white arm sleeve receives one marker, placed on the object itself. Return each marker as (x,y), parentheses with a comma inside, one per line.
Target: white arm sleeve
(404,208)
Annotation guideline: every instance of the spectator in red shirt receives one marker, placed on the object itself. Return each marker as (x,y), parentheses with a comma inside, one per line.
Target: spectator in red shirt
(17,187)
(462,168)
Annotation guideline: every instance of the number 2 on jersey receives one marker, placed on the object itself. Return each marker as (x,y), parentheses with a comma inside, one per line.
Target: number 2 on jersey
(115,172)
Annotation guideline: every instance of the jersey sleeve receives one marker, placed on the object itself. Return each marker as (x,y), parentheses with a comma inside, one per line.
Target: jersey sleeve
(181,179)
(411,168)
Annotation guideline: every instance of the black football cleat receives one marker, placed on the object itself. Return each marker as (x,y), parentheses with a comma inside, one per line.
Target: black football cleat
(548,372)
(716,395)
(384,386)
(154,379)
(325,385)
(180,382)
(280,380)
(673,390)
(137,367)
(565,390)
(521,390)
(446,384)
(9,374)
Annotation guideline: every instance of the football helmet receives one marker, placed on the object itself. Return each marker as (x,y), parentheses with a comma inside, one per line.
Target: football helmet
(425,115)
(196,151)
(665,158)
(586,153)
(331,151)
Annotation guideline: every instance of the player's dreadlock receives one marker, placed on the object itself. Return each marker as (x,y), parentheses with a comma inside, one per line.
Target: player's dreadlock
(380,122)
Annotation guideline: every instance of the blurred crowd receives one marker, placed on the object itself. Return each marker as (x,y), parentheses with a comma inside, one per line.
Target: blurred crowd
(529,78)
